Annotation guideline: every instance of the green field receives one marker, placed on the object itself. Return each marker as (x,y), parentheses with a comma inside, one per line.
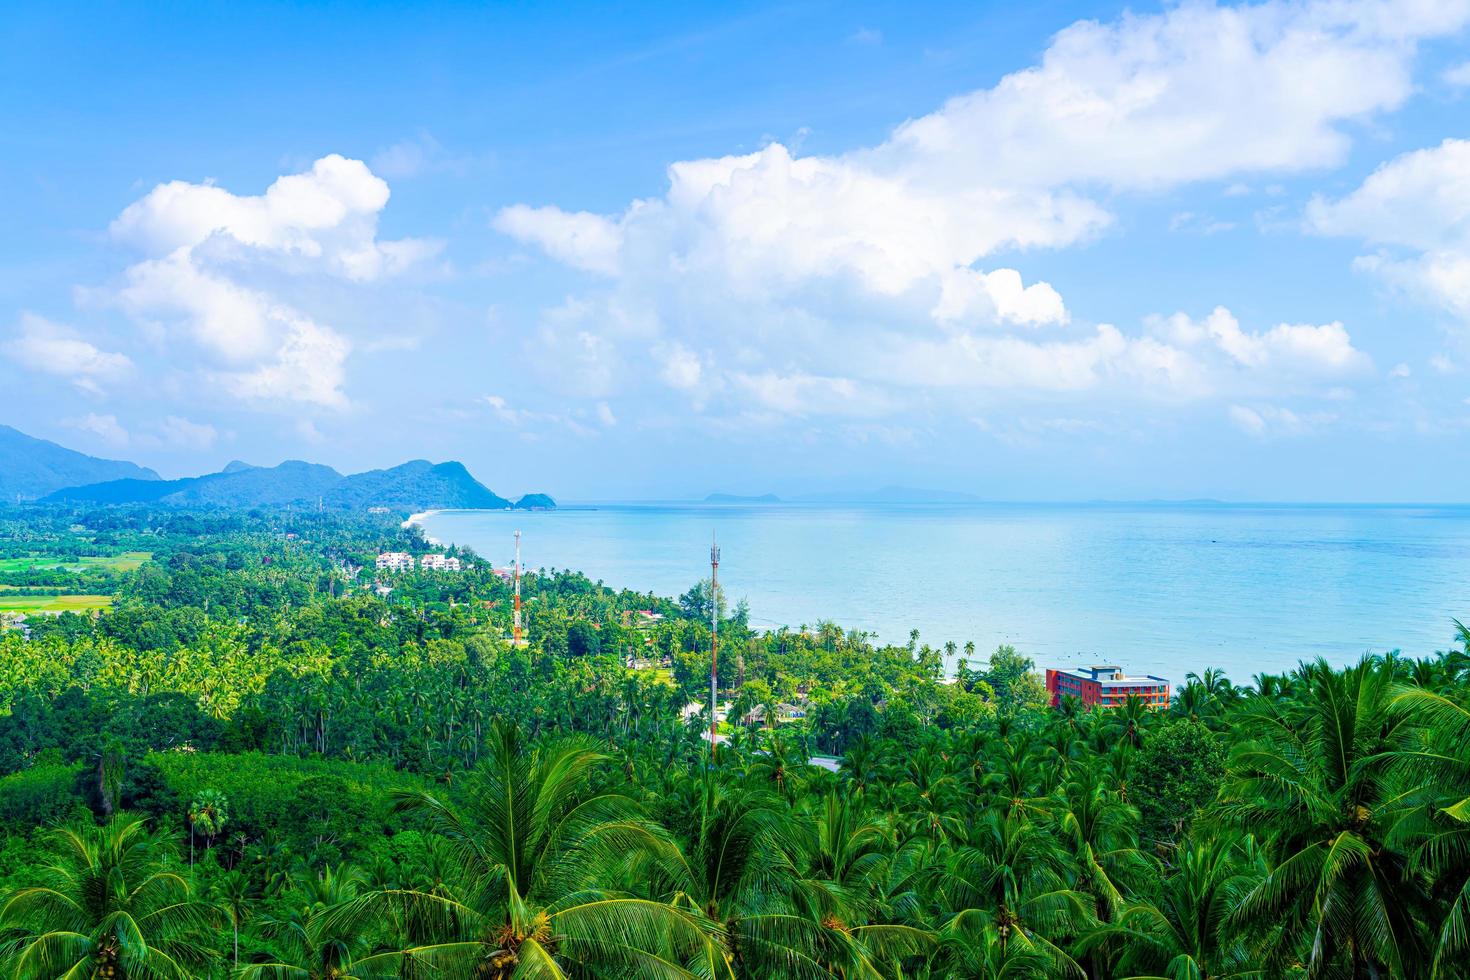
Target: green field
(125,562)
(53,603)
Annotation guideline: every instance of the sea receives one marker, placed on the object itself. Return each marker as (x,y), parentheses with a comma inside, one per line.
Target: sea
(1155,588)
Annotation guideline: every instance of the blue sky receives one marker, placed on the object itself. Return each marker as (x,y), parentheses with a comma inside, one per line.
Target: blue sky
(1033,251)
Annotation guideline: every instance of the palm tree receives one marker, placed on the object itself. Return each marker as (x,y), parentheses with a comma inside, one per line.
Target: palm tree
(539,852)
(1434,757)
(1313,781)
(108,906)
(311,941)
(1185,932)
(1011,876)
(233,895)
(207,815)
(1102,832)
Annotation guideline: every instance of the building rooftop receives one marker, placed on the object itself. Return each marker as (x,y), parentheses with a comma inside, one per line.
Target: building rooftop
(1109,675)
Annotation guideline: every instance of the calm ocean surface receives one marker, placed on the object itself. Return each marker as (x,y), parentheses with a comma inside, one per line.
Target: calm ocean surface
(1156,588)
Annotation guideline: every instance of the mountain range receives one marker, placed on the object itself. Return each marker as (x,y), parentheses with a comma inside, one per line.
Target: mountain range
(34,468)
(31,467)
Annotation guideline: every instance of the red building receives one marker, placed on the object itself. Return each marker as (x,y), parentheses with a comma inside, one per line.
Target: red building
(1106,687)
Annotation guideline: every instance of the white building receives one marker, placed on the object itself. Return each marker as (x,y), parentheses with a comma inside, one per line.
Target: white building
(395,561)
(439,563)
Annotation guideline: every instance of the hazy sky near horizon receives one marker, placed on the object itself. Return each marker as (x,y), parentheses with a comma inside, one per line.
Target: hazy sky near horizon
(1030,251)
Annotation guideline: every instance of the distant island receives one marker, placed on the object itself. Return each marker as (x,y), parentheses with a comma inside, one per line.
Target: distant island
(36,469)
(535,501)
(735,498)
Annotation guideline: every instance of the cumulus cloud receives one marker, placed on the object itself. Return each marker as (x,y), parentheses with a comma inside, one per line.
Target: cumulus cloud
(1323,351)
(1417,206)
(584,240)
(214,264)
(104,427)
(967,296)
(52,348)
(879,265)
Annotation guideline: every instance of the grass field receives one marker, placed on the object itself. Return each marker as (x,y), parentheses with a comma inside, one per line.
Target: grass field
(53,603)
(125,562)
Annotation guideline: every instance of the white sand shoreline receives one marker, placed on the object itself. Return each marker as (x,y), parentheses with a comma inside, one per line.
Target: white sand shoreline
(419,519)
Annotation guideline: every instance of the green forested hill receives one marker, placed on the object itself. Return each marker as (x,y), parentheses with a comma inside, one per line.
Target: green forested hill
(418,484)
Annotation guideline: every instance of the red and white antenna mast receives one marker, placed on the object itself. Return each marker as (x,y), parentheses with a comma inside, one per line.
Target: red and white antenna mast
(714,642)
(515,635)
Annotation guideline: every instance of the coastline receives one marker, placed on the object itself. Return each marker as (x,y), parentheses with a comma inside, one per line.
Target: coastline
(419,519)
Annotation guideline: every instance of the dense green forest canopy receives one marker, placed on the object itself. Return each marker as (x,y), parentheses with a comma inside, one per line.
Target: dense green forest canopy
(267,759)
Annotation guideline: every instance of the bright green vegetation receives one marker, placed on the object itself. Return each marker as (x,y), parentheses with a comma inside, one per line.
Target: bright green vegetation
(125,562)
(54,604)
(253,765)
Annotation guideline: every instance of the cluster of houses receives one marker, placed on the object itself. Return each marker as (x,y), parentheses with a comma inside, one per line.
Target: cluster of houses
(15,621)
(402,561)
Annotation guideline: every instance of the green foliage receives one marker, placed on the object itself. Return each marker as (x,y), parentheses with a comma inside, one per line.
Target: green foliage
(41,796)
(381,785)
(1177,772)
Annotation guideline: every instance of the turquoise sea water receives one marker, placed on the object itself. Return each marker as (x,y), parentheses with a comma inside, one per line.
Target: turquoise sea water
(1159,589)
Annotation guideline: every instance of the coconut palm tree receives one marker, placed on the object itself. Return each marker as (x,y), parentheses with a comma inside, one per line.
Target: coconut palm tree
(1434,758)
(1184,932)
(310,941)
(107,906)
(541,854)
(1102,832)
(208,815)
(1011,875)
(1313,781)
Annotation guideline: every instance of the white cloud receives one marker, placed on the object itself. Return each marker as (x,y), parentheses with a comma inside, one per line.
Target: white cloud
(104,427)
(1198,92)
(1265,421)
(680,367)
(52,348)
(1324,350)
(309,366)
(1400,371)
(180,433)
(1417,206)
(584,240)
(873,265)
(805,394)
(327,217)
(1458,76)
(966,296)
(215,265)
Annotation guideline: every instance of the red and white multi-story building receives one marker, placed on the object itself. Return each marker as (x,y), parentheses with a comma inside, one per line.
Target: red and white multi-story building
(1106,686)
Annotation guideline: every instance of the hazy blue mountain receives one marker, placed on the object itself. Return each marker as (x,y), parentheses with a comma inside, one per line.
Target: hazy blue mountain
(412,486)
(31,467)
(291,482)
(735,498)
(243,486)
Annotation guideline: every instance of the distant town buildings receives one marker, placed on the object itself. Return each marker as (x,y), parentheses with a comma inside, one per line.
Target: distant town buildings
(402,561)
(1106,686)
(395,561)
